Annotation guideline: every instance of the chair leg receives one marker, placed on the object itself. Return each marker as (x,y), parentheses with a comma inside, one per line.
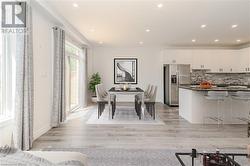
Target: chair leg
(248,129)
(137,107)
(140,110)
(103,108)
(113,109)
(153,107)
(135,104)
(149,109)
(98,111)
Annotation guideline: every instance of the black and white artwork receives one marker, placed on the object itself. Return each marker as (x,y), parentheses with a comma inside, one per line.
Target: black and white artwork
(125,70)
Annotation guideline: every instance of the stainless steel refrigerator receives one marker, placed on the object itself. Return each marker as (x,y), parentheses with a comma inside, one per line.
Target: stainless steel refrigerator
(174,76)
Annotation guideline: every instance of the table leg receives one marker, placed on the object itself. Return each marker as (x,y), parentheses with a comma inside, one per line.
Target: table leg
(109,105)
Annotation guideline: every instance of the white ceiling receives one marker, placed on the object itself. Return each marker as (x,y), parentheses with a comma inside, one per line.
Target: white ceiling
(122,23)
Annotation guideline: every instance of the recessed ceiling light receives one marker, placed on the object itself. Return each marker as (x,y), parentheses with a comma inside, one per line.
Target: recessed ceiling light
(141,42)
(234,26)
(203,26)
(216,40)
(160,5)
(75,4)
(147,30)
(193,40)
(238,40)
(100,42)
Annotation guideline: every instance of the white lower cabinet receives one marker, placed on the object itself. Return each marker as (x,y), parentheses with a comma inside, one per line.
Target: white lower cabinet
(197,109)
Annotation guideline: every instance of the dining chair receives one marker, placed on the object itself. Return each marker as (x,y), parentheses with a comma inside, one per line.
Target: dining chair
(148,89)
(102,100)
(149,102)
(102,90)
(146,93)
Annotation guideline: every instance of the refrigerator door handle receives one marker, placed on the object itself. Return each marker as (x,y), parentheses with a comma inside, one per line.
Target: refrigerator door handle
(178,78)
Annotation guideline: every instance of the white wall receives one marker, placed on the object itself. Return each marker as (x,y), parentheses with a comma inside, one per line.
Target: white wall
(42,49)
(149,65)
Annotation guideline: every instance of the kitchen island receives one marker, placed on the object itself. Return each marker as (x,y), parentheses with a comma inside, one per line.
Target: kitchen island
(195,107)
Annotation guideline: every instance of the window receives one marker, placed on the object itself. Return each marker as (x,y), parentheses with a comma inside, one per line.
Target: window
(7,75)
(75,76)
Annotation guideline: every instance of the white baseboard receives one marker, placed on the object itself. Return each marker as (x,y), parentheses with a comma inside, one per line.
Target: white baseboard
(41,131)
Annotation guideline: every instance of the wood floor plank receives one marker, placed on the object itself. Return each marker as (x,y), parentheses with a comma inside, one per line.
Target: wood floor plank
(176,133)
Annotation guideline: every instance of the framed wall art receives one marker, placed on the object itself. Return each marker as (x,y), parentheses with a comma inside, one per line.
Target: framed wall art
(125,70)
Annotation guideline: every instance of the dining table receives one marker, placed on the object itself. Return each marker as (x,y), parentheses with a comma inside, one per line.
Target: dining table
(130,92)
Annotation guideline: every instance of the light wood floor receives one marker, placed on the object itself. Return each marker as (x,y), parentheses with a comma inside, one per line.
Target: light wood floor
(176,133)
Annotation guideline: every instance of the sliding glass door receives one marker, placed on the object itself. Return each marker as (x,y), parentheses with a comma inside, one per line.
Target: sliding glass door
(74,82)
(75,77)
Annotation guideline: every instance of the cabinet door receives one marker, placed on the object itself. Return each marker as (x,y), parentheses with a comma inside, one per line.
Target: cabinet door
(201,59)
(214,66)
(246,54)
(177,57)
(197,62)
(223,61)
(229,61)
(243,60)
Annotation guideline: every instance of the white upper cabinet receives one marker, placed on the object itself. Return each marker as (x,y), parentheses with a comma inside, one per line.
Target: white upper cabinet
(224,61)
(173,56)
(243,60)
(216,60)
(201,59)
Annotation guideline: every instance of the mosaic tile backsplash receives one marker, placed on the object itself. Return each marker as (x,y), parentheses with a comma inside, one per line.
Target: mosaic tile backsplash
(197,76)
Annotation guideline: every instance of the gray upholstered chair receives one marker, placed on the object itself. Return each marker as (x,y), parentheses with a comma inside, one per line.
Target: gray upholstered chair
(149,102)
(148,90)
(146,93)
(102,90)
(102,100)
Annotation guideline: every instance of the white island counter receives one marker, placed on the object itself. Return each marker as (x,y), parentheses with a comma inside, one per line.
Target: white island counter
(195,107)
